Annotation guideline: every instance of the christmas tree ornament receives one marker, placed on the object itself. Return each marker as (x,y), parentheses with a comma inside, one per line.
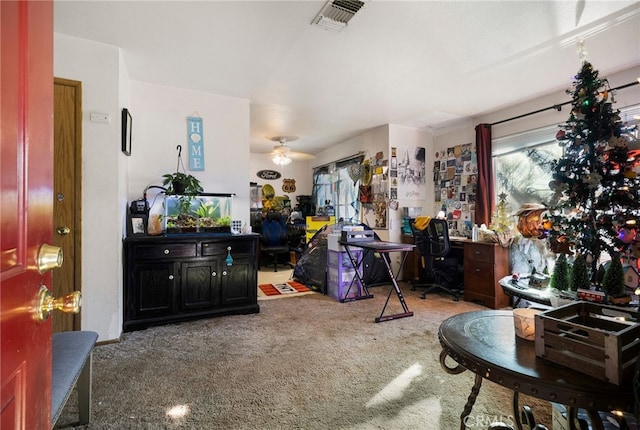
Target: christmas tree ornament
(626,235)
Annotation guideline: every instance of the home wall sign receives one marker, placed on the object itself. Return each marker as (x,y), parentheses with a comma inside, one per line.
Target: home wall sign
(196,143)
(268,175)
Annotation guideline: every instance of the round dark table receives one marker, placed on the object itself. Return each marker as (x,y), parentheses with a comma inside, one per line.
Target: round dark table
(485,343)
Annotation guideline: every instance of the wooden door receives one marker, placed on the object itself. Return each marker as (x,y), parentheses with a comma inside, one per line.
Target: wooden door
(26,175)
(67,144)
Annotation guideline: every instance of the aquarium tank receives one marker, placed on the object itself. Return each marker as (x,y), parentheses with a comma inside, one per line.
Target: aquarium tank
(201,213)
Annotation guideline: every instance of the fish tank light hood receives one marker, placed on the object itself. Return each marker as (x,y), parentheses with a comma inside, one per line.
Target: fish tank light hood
(199,213)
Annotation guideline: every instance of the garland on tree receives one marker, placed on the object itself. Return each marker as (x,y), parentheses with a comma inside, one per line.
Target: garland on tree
(595,204)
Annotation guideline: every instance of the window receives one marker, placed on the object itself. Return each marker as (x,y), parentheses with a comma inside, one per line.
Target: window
(522,166)
(522,162)
(334,184)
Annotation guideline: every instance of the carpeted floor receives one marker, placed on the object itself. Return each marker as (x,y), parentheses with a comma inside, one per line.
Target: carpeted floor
(305,362)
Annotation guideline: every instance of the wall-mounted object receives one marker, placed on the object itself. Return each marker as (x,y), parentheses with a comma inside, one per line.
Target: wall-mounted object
(127,122)
(195,133)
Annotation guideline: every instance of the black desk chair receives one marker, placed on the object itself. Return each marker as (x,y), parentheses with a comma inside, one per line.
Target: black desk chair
(439,272)
(275,241)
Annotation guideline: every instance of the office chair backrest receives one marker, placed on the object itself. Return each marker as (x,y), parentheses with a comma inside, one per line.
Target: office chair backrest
(439,237)
(432,241)
(274,230)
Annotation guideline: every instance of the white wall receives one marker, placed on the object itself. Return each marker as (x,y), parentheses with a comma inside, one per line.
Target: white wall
(465,132)
(300,170)
(408,137)
(160,124)
(110,179)
(371,142)
(98,67)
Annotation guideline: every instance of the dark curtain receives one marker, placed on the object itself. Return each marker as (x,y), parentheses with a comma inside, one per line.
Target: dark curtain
(484,193)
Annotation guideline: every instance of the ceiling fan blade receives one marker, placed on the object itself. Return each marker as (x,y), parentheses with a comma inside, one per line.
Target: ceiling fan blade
(301,155)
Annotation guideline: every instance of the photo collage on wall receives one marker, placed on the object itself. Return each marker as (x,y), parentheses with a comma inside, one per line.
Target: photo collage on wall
(455,176)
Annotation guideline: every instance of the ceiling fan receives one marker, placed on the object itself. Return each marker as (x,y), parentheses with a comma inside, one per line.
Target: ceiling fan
(282,154)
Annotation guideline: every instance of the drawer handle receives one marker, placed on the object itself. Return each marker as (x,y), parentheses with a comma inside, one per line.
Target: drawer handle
(477,252)
(166,252)
(224,273)
(477,270)
(171,277)
(214,274)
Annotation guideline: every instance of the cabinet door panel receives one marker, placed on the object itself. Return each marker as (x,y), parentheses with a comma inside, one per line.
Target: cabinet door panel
(239,283)
(200,285)
(155,293)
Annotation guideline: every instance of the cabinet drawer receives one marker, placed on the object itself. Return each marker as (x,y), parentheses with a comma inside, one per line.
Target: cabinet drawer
(475,274)
(478,285)
(237,248)
(166,250)
(479,253)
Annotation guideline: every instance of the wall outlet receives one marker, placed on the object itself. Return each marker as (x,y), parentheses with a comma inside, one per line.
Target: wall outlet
(99,117)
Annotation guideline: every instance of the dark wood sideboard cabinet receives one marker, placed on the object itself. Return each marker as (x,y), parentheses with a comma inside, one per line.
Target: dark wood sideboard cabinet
(484,265)
(178,278)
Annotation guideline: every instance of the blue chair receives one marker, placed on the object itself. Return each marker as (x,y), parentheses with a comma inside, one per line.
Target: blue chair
(275,241)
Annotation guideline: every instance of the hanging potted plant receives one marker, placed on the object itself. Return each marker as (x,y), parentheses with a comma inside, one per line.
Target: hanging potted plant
(183,187)
(181,183)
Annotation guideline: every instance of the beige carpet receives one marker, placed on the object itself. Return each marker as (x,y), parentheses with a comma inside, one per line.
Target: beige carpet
(306,362)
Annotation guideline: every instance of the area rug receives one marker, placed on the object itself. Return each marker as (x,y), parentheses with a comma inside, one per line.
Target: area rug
(285,289)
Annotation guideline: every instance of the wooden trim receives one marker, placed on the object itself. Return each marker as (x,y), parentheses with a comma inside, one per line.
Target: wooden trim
(77,85)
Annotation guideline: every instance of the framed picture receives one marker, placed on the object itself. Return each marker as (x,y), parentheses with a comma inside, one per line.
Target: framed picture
(137,224)
(126,131)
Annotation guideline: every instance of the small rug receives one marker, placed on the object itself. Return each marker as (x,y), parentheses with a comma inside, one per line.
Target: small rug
(286,289)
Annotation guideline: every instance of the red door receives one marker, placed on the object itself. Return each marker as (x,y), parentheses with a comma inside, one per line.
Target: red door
(26,178)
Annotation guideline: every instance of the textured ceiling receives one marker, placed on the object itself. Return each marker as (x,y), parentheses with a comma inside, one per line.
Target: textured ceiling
(416,63)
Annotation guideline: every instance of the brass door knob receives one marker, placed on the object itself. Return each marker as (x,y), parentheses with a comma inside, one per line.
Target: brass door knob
(49,257)
(69,304)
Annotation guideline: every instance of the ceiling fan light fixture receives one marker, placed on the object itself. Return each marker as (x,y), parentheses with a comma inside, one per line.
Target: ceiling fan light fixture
(280,154)
(281,159)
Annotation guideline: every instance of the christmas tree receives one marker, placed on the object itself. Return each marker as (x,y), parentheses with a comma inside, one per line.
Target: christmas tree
(501,223)
(560,276)
(613,283)
(579,274)
(594,183)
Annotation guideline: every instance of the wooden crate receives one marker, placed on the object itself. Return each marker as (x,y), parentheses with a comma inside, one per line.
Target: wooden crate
(598,340)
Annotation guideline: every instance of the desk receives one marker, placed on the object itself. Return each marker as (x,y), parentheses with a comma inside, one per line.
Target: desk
(485,343)
(484,264)
(381,247)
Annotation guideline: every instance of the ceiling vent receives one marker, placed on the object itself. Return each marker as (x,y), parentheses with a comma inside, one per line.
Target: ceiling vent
(335,15)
